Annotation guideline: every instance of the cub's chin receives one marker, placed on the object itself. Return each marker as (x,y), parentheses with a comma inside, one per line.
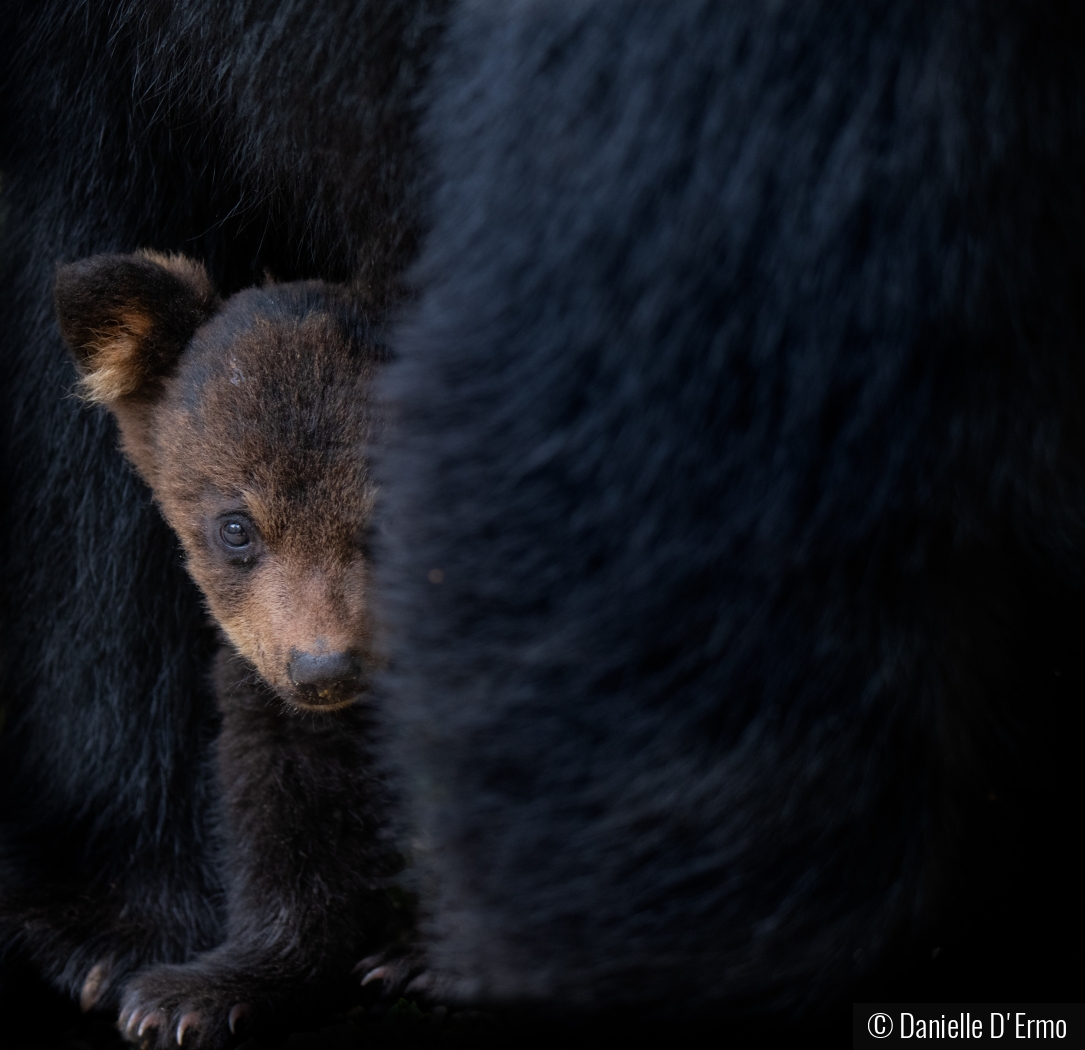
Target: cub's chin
(327,702)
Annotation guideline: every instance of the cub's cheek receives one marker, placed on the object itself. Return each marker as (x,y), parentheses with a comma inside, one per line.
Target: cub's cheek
(270,663)
(272,669)
(244,639)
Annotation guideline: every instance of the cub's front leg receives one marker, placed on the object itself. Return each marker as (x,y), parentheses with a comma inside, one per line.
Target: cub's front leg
(306,859)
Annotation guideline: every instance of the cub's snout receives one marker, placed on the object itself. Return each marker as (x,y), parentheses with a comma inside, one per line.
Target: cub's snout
(326,679)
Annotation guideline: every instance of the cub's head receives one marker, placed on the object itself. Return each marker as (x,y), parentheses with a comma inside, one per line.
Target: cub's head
(249,418)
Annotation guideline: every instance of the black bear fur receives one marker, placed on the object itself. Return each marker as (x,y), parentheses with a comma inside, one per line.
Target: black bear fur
(735,575)
(739,420)
(305,861)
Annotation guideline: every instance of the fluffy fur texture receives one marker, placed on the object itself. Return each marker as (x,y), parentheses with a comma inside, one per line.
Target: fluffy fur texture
(250,420)
(258,138)
(741,414)
(736,504)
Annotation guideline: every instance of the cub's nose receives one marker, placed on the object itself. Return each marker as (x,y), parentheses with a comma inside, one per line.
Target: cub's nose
(325,673)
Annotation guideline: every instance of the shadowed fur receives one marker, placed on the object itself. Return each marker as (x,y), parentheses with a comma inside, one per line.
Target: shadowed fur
(735,584)
(741,415)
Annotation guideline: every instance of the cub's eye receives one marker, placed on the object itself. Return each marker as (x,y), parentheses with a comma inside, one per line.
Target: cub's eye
(235,533)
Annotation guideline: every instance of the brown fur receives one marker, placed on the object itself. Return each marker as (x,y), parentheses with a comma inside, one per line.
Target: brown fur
(308,591)
(258,412)
(111,354)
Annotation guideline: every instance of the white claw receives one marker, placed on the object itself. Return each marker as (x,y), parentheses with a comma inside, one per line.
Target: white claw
(152,1020)
(375,975)
(367,963)
(189,1020)
(238,1012)
(134,1017)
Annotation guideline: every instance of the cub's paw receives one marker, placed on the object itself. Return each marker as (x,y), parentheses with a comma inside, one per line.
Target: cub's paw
(399,972)
(192,1006)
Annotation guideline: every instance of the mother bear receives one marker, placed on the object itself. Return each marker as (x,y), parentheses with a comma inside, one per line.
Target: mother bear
(740,421)
(734,503)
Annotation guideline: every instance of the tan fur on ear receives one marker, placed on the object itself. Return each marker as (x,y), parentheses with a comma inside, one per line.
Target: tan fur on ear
(113,369)
(113,366)
(127,318)
(188,270)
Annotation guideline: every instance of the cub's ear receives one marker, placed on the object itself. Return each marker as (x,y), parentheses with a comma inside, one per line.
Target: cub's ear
(127,318)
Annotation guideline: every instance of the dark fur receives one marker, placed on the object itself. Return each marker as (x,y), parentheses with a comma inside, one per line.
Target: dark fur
(306,859)
(257,410)
(257,137)
(742,414)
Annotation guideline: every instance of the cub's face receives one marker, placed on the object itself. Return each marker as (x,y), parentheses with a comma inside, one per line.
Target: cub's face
(253,438)
(258,450)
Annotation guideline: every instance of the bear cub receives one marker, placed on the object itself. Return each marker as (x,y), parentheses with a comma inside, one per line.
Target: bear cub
(249,418)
